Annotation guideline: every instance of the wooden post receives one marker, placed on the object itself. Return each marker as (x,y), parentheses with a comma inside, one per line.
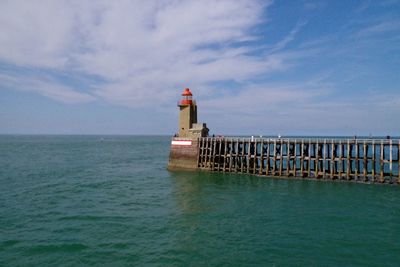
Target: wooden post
(309,159)
(211,145)
(220,154)
(398,163)
(237,159)
(288,156)
(340,159)
(268,157)
(225,154)
(204,154)
(274,160)
(242,158)
(281,157)
(260,171)
(382,173)
(365,161)
(208,153)
(332,159)
(200,152)
(215,154)
(248,157)
(390,159)
(316,154)
(348,162)
(373,170)
(295,159)
(231,157)
(255,156)
(214,151)
(237,155)
(205,151)
(324,148)
(200,149)
(357,161)
(302,158)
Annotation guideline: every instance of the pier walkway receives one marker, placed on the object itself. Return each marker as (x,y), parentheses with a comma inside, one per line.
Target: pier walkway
(360,160)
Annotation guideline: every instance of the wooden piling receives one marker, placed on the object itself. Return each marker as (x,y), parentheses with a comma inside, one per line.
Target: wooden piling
(308,157)
(267,167)
(373,161)
(295,159)
(357,170)
(348,161)
(382,164)
(280,157)
(316,165)
(390,160)
(365,161)
(302,158)
(260,171)
(323,159)
(398,163)
(225,153)
(255,157)
(275,167)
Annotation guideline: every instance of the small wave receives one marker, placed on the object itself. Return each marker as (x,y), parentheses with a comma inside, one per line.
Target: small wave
(6,244)
(80,218)
(91,218)
(74,247)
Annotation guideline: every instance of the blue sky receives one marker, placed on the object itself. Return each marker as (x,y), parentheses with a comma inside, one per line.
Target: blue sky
(255,67)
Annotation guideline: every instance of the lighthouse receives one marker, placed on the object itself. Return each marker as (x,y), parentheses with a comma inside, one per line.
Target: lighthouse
(184,153)
(188,126)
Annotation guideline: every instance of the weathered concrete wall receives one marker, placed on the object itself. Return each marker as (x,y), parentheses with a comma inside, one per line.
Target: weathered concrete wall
(182,155)
(187,116)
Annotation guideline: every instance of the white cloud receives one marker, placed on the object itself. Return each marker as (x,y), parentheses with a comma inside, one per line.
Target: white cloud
(136,46)
(46,86)
(288,38)
(36,33)
(380,28)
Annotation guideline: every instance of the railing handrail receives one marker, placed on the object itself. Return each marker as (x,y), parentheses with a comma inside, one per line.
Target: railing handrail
(308,139)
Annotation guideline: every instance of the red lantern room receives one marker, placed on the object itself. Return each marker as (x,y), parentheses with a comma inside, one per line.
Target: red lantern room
(187,98)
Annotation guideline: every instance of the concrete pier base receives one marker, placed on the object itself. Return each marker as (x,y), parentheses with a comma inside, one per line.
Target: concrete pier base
(184,154)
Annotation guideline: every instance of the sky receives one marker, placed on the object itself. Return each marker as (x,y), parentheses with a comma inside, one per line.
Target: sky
(255,67)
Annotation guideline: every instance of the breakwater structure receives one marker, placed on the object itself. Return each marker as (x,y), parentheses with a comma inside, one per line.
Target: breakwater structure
(371,160)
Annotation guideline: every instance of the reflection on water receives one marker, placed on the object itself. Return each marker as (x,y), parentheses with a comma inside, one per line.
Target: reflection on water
(197,191)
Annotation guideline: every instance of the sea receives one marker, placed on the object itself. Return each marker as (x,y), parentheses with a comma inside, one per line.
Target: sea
(110,201)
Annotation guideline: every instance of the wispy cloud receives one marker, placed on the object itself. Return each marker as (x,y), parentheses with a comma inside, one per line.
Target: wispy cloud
(382,4)
(288,38)
(134,45)
(380,28)
(44,85)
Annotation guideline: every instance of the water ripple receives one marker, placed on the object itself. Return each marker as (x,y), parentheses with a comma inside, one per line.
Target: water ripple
(88,201)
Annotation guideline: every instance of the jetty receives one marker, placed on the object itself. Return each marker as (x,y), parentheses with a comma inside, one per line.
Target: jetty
(364,160)
(373,160)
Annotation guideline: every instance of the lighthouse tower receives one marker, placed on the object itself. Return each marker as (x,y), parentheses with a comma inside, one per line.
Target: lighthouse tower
(188,126)
(184,152)
(187,113)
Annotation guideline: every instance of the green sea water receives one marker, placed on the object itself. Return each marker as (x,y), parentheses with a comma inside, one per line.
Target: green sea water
(109,201)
